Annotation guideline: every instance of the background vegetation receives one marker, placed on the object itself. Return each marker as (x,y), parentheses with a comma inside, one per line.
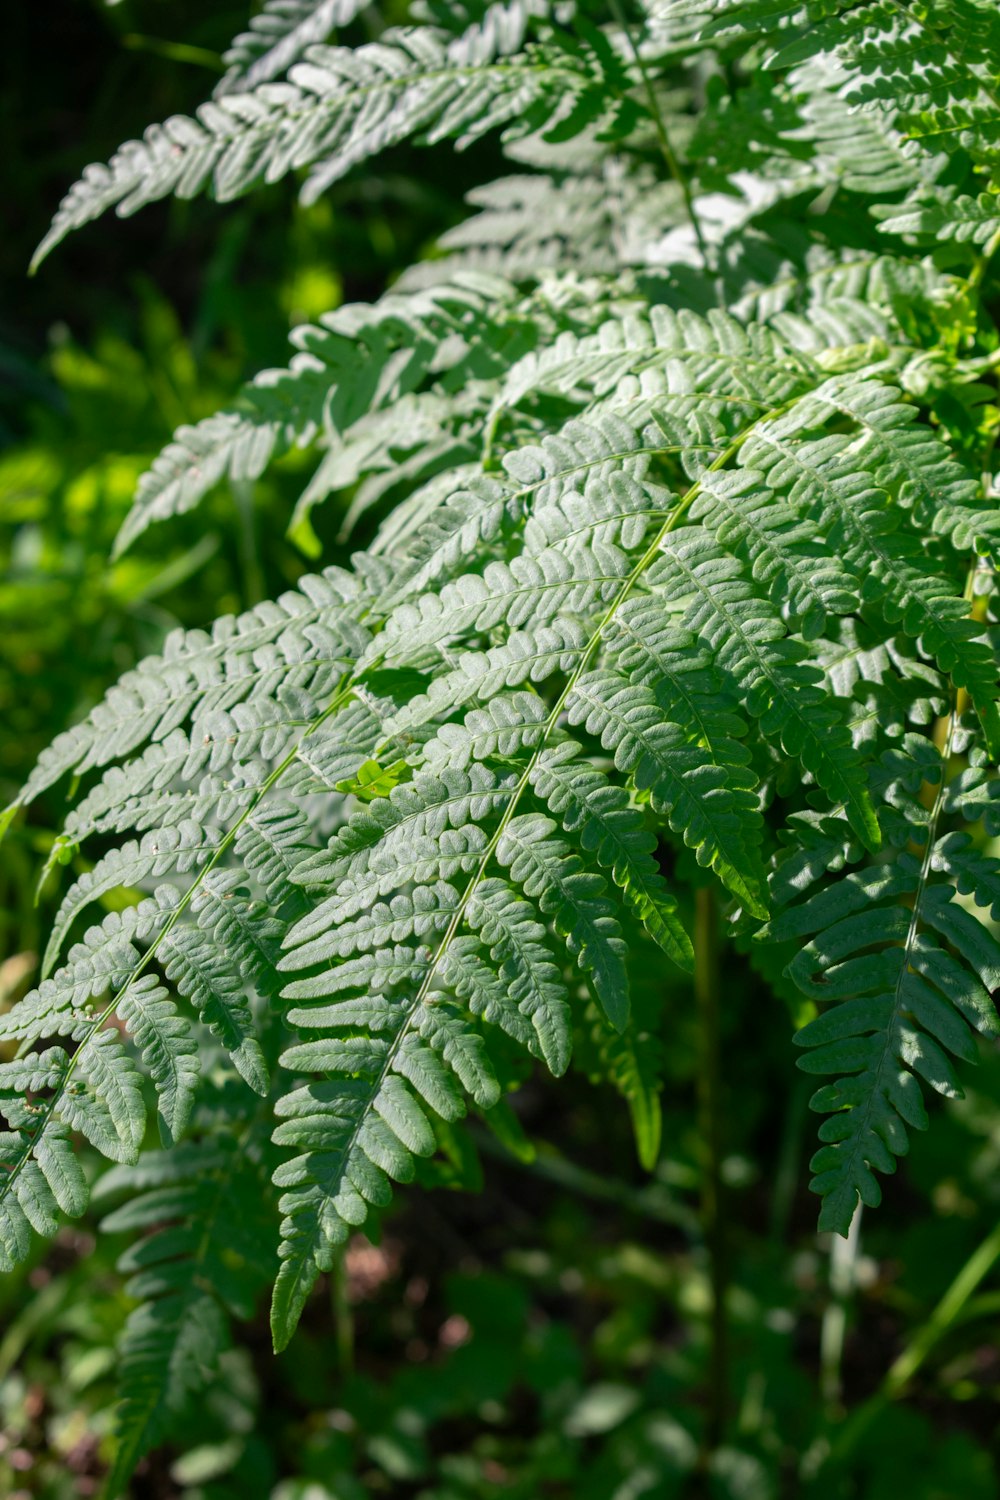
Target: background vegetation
(549,1336)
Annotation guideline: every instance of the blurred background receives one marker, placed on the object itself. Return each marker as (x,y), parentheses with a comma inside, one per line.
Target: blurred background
(547,1336)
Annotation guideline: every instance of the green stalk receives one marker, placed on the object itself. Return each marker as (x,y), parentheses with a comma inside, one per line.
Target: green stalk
(182,52)
(254,589)
(653,1201)
(343,1316)
(906,1364)
(706,990)
(667,151)
(786,1176)
(843,1266)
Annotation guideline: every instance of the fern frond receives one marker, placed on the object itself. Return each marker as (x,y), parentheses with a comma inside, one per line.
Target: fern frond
(217,989)
(806,280)
(356,361)
(603,215)
(883,90)
(599,814)
(159,853)
(871,539)
(700,546)
(710,807)
(168,1050)
(363,1129)
(768,670)
(98,1090)
(102,1098)
(786,552)
(914,972)
(545,868)
(631,1060)
(287,641)
(664,586)
(339,107)
(51,1180)
(673,358)
(963,218)
(279,34)
(200,1256)
(516,939)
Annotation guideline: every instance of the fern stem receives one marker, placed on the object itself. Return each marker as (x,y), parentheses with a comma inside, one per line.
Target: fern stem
(786,1175)
(653,1202)
(343,1315)
(843,1265)
(706,990)
(915,1352)
(666,148)
(250,566)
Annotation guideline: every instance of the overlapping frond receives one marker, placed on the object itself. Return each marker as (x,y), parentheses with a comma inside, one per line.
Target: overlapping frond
(199,1256)
(964,218)
(340,106)
(665,589)
(924,77)
(358,360)
(913,970)
(277,37)
(304,638)
(566,607)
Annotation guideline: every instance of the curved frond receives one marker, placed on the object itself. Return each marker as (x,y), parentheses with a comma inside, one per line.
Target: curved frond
(277,37)
(339,107)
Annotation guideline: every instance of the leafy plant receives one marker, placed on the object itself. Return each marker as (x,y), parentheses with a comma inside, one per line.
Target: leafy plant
(678,614)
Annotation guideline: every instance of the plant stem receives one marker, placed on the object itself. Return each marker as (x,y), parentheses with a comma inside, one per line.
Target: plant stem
(978,274)
(906,1365)
(343,1317)
(653,1202)
(706,989)
(253,578)
(182,52)
(786,1175)
(843,1263)
(666,148)
(903,1368)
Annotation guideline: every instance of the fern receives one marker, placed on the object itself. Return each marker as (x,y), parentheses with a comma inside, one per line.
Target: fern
(199,1261)
(960,218)
(688,583)
(338,108)
(916,971)
(279,34)
(360,360)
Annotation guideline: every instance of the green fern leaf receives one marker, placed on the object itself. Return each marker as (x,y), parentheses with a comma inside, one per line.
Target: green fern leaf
(339,107)
(168,1050)
(546,869)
